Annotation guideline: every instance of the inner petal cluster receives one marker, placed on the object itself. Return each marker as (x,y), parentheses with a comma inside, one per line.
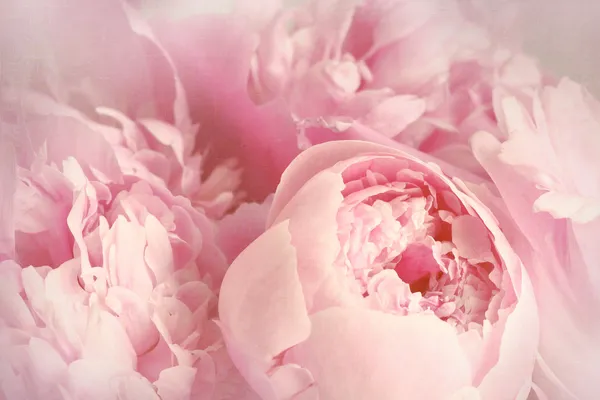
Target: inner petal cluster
(410,245)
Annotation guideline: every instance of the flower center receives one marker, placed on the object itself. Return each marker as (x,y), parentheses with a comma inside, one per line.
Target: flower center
(409,245)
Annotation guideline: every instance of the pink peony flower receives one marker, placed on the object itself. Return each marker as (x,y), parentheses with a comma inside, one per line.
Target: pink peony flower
(157,140)
(420,73)
(379,277)
(109,280)
(548,174)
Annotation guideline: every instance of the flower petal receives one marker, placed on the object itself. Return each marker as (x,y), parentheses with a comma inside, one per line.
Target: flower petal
(371,355)
(261,306)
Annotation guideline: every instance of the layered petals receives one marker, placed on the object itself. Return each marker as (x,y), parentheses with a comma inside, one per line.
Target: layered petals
(547,159)
(384,256)
(110,287)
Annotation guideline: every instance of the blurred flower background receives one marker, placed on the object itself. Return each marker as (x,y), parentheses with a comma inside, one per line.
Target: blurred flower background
(563,34)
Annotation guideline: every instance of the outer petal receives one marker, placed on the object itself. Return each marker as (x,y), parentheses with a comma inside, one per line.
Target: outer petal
(321,157)
(487,149)
(323,285)
(262,307)
(361,354)
(518,343)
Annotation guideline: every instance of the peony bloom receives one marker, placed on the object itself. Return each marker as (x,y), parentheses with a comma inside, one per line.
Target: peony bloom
(379,277)
(149,128)
(418,72)
(549,176)
(109,280)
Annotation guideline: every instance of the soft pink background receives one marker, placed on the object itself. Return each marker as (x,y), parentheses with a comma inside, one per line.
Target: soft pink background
(565,34)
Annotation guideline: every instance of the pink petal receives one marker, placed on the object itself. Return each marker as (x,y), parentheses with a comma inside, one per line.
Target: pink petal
(167,135)
(123,249)
(97,380)
(64,136)
(565,205)
(179,105)
(159,253)
(394,114)
(175,383)
(133,314)
(14,311)
(516,350)
(570,108)
(322,284)
(370,352)
(487,149)
(261,306)
(236,231)
(46,363)
(106,341)
(317,158)
(471,238)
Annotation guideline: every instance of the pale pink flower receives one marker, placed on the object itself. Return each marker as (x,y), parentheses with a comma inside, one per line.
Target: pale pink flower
(379,277)
(418,72)
(109,281)
(548,173)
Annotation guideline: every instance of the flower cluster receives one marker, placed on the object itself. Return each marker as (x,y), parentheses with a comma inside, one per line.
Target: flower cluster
(330,200)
